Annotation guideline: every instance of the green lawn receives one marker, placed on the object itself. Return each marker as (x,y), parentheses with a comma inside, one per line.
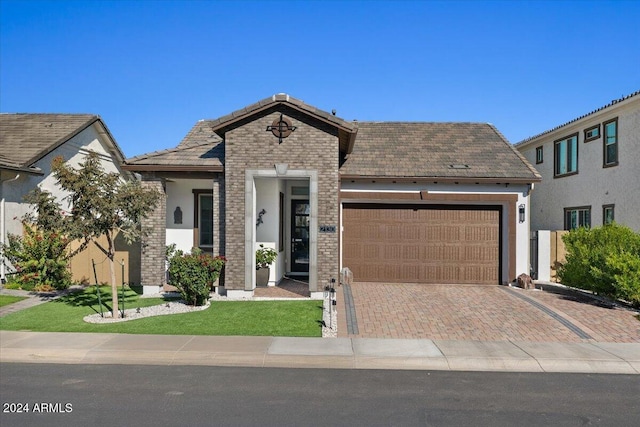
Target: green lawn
(9,299)
(264,318)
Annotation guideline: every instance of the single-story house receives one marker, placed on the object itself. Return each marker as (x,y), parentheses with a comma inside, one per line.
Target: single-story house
(28,144)
(391,201)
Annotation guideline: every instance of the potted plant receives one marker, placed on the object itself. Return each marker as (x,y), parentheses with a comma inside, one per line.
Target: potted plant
(264,258)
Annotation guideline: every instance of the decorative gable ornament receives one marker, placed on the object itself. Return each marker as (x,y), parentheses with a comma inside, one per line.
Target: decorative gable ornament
(281,128)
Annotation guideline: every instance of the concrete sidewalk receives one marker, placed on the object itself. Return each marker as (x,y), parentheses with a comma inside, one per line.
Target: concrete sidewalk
(344,353)
(32,299)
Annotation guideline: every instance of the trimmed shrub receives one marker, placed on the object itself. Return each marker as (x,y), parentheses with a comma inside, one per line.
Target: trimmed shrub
(605,260)
(40,258)
(194,274)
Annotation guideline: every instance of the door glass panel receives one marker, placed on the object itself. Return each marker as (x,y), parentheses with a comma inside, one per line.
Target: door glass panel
(206,220)
(300,235)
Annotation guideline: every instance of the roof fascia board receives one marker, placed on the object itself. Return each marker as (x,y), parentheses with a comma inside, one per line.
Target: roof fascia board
(172,168)
(351,141)
(111,141)
(28,170)
(220,127)
(430,179)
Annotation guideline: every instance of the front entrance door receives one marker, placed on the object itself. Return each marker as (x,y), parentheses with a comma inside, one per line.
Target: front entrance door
(300,210)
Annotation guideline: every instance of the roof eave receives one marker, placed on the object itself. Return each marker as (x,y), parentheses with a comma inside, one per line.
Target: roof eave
(220,128)
(28,170)
(602,110)
(445,179)
(172,168)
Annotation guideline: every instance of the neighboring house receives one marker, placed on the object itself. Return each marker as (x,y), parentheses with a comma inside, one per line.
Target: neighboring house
(590,169)
(28,144)
(394,202)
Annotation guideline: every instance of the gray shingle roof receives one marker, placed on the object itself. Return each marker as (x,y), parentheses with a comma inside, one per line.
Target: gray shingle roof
(26,138)
(382,149)
(201,149)
(206,155)
(437,150)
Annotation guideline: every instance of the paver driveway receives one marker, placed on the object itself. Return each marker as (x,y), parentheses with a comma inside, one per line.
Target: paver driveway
(486,313)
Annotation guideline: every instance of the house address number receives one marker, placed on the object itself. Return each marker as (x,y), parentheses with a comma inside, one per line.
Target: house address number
(327,228)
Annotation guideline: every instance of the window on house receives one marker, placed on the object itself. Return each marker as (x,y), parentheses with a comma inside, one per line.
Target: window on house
(577,217)
(566,155)
(611,142)
(592,133)
(539,155)
(607,214)
(203,219)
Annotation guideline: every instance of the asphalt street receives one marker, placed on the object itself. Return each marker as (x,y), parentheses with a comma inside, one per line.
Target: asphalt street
(134,395)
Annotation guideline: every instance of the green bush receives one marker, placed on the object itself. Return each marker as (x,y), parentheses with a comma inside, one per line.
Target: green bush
(605,260)
(40,258)
(193,274)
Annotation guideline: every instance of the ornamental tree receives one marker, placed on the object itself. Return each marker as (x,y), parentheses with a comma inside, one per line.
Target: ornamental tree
(101,204)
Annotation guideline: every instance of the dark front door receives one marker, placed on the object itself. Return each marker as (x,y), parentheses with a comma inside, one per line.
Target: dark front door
(300,236)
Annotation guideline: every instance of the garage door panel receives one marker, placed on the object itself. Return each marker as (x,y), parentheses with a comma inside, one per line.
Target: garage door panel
(421,245)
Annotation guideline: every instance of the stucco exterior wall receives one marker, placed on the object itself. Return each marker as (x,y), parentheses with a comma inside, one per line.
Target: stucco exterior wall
(180,194)
(312,147)
(593,185)
(74,152)
(268,231)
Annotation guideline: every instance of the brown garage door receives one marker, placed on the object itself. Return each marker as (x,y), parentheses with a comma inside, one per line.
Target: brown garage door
(422,244)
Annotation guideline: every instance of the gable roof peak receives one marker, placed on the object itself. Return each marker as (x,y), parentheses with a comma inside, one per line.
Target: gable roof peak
(38,134)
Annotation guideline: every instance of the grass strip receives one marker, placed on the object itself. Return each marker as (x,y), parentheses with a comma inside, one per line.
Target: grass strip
(9,299)
(249,318)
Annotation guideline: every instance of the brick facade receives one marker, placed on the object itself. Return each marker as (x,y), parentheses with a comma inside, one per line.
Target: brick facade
(313,146)
(153,247)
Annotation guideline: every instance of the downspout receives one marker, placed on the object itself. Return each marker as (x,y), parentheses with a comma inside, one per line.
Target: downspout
(3,267)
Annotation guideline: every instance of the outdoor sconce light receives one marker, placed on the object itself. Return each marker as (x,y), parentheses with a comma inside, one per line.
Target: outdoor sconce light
(521,213)
(281,168)
(259,220)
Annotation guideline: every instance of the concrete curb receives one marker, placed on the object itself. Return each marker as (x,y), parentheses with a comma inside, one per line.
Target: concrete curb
(334,353)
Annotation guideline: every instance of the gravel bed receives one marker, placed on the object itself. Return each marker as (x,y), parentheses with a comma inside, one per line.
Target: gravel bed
(171,307)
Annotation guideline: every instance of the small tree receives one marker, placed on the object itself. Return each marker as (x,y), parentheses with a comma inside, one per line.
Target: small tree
(101,204)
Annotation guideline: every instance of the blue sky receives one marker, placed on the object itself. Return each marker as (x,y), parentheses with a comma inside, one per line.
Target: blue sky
(151,69)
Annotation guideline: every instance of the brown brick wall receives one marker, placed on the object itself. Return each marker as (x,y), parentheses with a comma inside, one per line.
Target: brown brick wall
(153,248)
(312,146)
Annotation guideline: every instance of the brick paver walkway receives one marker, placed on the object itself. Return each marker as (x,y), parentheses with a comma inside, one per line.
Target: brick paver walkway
(287,288)
(485,313)
(604,322)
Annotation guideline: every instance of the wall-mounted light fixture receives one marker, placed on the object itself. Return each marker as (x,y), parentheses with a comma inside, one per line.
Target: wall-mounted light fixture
(259,220)
(521,213)
(281,168)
